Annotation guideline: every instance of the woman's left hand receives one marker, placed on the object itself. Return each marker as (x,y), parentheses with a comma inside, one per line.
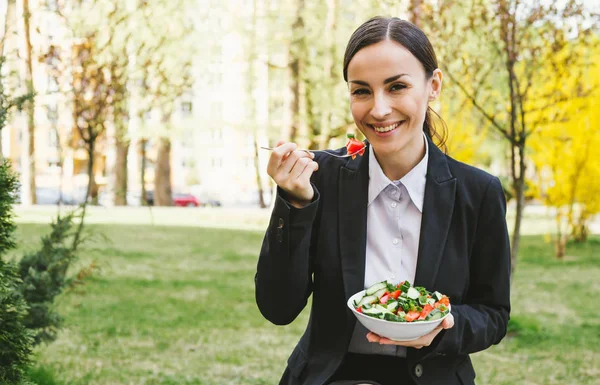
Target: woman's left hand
(426,340)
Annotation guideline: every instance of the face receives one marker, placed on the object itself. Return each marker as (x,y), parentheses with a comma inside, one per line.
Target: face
(389,95)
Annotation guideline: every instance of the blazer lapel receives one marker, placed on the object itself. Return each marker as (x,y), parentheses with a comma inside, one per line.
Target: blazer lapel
(352,215)
(438,205)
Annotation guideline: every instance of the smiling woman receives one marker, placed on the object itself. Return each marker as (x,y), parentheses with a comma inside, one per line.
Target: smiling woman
(405,211)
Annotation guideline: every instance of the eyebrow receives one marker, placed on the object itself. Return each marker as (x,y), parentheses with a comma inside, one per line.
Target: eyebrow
(388,80)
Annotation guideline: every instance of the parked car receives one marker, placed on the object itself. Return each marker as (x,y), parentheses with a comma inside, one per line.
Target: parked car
(212,203)
(185,200)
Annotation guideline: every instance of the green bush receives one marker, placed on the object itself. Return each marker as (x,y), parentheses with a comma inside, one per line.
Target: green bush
(15,339)
(44,278)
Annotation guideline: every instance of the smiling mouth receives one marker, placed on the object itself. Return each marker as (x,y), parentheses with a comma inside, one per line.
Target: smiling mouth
(386,128)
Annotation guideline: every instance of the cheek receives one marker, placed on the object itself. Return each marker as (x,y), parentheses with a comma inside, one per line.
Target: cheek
(358,110)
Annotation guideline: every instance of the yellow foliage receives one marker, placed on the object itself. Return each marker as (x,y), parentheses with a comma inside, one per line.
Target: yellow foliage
(565,150)
(466,132)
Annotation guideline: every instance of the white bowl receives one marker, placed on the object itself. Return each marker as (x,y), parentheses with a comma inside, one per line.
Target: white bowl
(397,331)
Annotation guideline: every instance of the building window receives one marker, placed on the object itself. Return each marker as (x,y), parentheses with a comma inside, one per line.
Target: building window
(52,114)
(52,84)
(52,5)
(186,108)
(217,133)
(53,139)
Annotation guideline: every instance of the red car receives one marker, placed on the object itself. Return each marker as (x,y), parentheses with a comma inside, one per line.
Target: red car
(185,200)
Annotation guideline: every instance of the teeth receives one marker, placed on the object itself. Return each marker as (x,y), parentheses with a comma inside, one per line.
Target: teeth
(386,129)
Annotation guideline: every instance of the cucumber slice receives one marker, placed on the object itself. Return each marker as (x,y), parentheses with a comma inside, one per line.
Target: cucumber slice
(369,299)
(376,287)
(381,292)
(413,293)
(373,312)
(435,314)
(431,301)
(392,306)
(381,308)
(437,295)
(393,317)
(423,300)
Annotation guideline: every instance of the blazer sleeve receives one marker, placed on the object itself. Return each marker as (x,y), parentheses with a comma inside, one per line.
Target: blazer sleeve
(482,319)
(283,280)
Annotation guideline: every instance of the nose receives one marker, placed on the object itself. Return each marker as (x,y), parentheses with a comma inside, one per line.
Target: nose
(381,106)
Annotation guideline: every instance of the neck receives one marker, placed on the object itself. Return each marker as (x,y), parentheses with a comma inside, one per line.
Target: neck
(397,164)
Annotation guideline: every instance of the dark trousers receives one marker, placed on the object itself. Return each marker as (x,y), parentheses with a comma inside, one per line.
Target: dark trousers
(372,368)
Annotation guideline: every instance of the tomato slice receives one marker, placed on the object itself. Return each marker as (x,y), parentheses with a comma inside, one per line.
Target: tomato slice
(396,294)
(425,312)
(354,146)
(385,298)
(411,316)
(359,309)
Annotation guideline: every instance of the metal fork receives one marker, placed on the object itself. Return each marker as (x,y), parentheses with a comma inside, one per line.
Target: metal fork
(325,151)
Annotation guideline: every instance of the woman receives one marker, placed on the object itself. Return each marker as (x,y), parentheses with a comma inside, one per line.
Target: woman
(402,211)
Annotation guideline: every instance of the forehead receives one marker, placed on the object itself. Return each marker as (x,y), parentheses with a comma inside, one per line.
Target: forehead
(382,60)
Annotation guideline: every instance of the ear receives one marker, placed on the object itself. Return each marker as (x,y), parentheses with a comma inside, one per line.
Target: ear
(436,84)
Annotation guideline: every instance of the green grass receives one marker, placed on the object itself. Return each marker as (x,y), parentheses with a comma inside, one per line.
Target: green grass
(175,305)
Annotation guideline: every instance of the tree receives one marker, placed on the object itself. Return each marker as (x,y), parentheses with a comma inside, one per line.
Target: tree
(165,61)
(28,191)
(119,76)
(256,34)
(498,49)
(563,153)
(15,339)
(7,104)
(91,103)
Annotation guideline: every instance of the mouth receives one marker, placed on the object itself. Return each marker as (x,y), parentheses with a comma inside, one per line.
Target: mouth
(387,128)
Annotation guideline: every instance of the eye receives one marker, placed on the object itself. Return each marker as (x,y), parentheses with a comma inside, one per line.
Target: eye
(360,91)
(397,87)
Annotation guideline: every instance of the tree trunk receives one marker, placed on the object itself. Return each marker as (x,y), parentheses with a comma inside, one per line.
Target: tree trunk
(519,187)
(252,105)
(297,64)
(328,69)
(144,200)
(28,167)
(92,194)
(261,199)
(90,172)
(162,176)
(122,147)
(561,238)
(9,21)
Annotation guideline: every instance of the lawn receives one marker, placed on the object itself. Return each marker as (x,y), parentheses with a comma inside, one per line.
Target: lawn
(175,305)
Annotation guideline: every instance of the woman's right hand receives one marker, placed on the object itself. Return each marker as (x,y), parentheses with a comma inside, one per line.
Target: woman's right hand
(291,170)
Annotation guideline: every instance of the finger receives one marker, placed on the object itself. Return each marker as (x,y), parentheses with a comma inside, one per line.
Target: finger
(290,161)
(280,142)
(372,337)
(448,322)
(298,168)
(311,167)
(277,157)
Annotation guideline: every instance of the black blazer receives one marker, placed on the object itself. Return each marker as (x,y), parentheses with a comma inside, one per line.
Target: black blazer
(464,252)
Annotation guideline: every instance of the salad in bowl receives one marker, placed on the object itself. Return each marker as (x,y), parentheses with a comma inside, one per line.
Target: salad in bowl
(400,312)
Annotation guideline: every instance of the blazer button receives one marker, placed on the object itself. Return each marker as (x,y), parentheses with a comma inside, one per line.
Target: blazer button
(418,370)
(280,223)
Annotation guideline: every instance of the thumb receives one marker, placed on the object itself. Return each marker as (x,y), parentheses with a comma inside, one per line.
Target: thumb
(448,322)
(280,142)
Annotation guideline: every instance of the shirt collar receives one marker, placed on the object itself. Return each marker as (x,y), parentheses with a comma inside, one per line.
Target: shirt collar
(414,180)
